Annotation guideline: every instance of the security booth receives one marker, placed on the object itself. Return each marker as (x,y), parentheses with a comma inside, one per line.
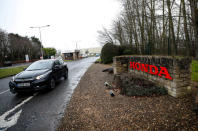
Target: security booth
(72,55)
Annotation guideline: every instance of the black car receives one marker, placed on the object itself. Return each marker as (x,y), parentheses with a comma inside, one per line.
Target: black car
(39,75)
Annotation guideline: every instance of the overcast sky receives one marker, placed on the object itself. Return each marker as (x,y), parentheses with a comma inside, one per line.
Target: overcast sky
(71,21)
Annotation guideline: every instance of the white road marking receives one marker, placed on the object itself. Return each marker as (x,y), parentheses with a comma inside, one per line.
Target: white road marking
(5,122)
(4,92)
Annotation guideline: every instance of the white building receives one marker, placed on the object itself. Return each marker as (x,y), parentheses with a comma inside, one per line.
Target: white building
(96,50)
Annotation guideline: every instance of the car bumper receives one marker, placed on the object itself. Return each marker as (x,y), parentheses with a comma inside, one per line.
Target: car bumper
(34,86)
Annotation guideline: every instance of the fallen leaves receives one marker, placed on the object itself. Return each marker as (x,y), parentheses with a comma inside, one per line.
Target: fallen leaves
(92,108)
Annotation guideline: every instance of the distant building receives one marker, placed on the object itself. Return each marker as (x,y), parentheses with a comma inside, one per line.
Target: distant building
(77,54)
(91,51)
(71,55)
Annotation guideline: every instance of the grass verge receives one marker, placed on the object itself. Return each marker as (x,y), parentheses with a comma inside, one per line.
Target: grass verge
(67,60)
(98,60)
(194,75)
(11,71)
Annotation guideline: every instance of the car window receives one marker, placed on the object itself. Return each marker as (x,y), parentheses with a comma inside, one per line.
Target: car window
(61,61)
(40,65)
(57,62)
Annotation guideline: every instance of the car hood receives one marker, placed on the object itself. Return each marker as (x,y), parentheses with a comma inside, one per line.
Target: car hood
(31,74)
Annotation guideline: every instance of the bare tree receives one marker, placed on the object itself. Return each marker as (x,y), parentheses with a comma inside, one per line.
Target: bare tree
(20,46)
(4,50)
(118,32)
(105,36)
(194,14)
(166,27)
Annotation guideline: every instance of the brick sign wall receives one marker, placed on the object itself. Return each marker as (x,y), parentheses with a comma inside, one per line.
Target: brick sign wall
(173,73)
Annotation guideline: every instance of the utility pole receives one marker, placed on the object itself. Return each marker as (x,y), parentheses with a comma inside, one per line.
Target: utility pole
(39,27)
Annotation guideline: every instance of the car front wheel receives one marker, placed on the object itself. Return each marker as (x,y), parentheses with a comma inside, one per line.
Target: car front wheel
(52,83)
(66,74)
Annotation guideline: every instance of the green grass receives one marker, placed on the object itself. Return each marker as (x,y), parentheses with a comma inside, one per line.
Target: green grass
(194,75)
(11,71)
(98,60)
(67,60)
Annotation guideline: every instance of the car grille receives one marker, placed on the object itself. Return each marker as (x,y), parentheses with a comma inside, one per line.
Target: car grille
(24,80)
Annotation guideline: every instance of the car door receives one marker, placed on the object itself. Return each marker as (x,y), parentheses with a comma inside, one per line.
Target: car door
(62,66)
(58,71)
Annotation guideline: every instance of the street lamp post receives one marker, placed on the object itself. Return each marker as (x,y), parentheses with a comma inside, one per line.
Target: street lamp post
(39,27)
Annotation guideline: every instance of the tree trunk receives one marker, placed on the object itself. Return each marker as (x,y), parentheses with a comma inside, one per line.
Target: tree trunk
(171,28)
(186,28)
(194,14)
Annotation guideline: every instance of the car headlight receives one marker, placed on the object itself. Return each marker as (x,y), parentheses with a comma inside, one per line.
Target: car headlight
(39,77)
(42,76)
(13,78)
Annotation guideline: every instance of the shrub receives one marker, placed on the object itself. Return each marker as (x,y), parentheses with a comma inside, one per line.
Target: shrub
(146,91)
(141,87)
(108,52)
(126,50)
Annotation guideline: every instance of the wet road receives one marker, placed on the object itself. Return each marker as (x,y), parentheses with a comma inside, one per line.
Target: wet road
(41,111)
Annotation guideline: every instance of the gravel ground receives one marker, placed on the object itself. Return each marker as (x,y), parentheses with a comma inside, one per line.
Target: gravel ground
(92,108)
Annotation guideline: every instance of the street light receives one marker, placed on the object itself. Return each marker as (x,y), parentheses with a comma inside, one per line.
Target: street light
(39,27)
(77,44)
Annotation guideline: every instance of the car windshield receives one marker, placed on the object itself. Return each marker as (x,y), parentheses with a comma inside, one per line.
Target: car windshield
(40,65)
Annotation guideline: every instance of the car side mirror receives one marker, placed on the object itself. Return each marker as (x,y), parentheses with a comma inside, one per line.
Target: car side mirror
(24,69)
(56,67)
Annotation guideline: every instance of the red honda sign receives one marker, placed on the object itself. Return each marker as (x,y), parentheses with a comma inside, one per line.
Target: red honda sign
(151,69)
